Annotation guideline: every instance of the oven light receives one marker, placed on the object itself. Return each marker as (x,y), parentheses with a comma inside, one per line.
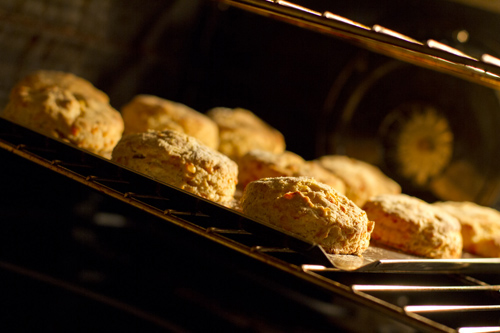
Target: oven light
(479,329)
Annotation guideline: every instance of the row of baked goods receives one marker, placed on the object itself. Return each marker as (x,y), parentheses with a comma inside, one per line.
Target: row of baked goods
(234,158)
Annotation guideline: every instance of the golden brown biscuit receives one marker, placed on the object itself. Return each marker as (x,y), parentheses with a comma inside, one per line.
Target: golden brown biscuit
(362,180)
(241,130)
(414,226)
(257,164)
(311,210)
(179,160)
(316,171)
(79,87)
(480,226)
(146,112)
(66,107)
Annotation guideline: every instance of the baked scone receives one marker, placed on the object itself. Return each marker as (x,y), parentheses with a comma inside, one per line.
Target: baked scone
(480,226)
(316,171)
(311,210)
(146,112)
(414,226)
(66,107)
(79,87)
(240,131)
(179,160)
(362,180)
(257,164)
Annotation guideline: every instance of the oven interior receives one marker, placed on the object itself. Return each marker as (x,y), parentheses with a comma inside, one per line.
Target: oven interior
(89,245)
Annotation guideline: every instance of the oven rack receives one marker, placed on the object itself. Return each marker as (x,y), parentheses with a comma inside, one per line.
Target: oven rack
(408,296)
(379,39)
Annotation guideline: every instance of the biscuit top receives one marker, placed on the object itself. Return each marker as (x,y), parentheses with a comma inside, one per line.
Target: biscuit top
(180,160)
(81,88)
(241,131)
(362,179)
(316,171)
(257,164)
(417,211)
(66,107)
(145,112)
(178,145)
(468,213)
(311,209)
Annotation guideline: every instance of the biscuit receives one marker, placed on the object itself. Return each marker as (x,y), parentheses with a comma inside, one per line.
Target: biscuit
(241,130)
(81,88)
(257,164)
(362,180)
(311,210)
(66,107)
(179,160)
(480,226)
(316,171)
(414,226)
(146,112)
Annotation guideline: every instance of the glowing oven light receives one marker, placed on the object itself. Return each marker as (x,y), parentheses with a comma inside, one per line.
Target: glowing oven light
(479,329)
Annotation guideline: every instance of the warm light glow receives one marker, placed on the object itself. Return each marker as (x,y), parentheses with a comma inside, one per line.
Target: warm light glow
(463,36)
(367,287)
(338,18)
(294,6)
(385,31)
(313,267)
(443,47)
(490,60)
(442,308)
(484,329)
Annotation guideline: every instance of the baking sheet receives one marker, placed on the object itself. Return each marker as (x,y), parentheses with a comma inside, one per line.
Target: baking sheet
(380,259)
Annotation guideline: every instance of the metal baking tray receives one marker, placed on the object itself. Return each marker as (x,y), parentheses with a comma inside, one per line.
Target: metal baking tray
(377,258)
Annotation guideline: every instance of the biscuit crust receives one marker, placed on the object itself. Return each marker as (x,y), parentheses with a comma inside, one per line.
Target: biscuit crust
(480,226)
(257,164)
(66,107)
(241,130)
(146,112)
(179,160)
(362,180)
(311,210)
(414,226)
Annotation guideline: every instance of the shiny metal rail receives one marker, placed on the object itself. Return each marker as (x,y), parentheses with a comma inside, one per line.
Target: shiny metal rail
(429,54)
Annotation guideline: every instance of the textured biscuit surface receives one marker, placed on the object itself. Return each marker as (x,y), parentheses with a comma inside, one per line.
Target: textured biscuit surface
(66,107)
(146,112)
(180,160)
(240,131)
(362,180)
(414,226)
(257,164)
(316,171)
(311,210)
(480,226)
